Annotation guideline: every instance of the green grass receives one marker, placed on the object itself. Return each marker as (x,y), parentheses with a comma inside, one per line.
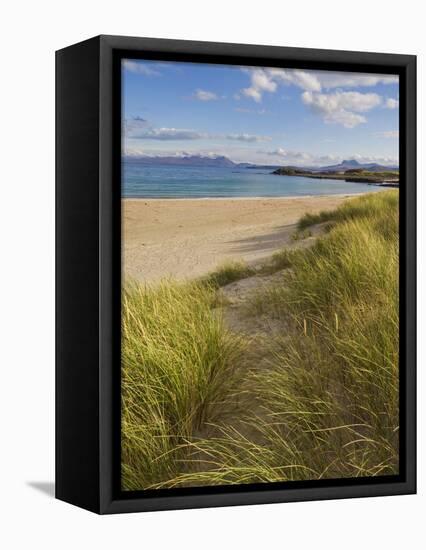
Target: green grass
(279,260)
(384,174)
(227,273)
(374,205)
(312,219)
(333,386)
(178,366)
(326,404)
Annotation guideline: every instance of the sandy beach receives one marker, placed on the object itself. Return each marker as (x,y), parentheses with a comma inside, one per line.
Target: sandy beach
(186,238)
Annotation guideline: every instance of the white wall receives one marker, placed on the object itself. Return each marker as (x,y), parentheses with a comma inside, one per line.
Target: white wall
(30,32)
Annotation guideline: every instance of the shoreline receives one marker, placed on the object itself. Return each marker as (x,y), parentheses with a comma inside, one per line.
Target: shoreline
(188,238)
(260,197)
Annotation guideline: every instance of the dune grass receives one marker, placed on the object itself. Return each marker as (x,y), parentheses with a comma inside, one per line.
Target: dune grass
(279,260)
(368,206)
(325,406)
(227,273)
(178,366)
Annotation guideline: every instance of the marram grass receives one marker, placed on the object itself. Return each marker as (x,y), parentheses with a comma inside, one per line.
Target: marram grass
(326,404)
(227,273)
(178,365)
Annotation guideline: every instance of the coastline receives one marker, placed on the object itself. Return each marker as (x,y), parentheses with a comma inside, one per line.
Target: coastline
(372,178)
(293,197)
(187,238)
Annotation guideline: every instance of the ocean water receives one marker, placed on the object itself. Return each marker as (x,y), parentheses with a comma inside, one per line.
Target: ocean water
(167,181)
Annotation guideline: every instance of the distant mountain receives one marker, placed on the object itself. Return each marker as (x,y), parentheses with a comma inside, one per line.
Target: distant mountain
(344,165)
(187,160)
(225,162)
(354,164)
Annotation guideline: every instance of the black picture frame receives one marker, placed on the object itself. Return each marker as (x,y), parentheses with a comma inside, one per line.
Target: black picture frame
(88,267)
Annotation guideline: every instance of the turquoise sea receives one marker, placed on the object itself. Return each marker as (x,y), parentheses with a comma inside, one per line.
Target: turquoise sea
(141,181)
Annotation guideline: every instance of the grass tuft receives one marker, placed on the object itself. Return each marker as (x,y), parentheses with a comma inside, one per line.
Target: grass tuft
(370,206)
(228,273)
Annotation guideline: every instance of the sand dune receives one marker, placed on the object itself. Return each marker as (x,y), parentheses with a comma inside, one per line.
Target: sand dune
(187,238)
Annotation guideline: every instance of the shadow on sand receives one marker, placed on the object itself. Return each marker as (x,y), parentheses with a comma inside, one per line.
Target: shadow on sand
(274,240)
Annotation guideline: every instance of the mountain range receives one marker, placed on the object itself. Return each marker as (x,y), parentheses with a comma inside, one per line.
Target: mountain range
(225,162)
(354,164)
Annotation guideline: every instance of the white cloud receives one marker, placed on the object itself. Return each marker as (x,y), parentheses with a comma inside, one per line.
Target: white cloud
(261,82)
(139,128)
(139,67)
(352,101)
(268,79)
(132,152)
(253,93)
(328,159)
(341,107)
(303,158)
(289,155)
(204,95)
(249,138)
(388,134)
(307,80)
(165,134)
(392,103)
(376,159)
(330,79)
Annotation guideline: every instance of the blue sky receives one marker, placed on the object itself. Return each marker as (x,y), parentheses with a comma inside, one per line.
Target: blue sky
(259,115)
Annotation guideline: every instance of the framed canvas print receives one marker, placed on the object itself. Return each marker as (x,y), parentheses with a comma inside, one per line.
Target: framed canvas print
(235,274)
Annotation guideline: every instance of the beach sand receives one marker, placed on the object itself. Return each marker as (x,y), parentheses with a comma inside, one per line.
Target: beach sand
(186,238)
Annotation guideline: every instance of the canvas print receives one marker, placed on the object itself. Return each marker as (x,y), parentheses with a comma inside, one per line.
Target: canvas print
(260,275)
